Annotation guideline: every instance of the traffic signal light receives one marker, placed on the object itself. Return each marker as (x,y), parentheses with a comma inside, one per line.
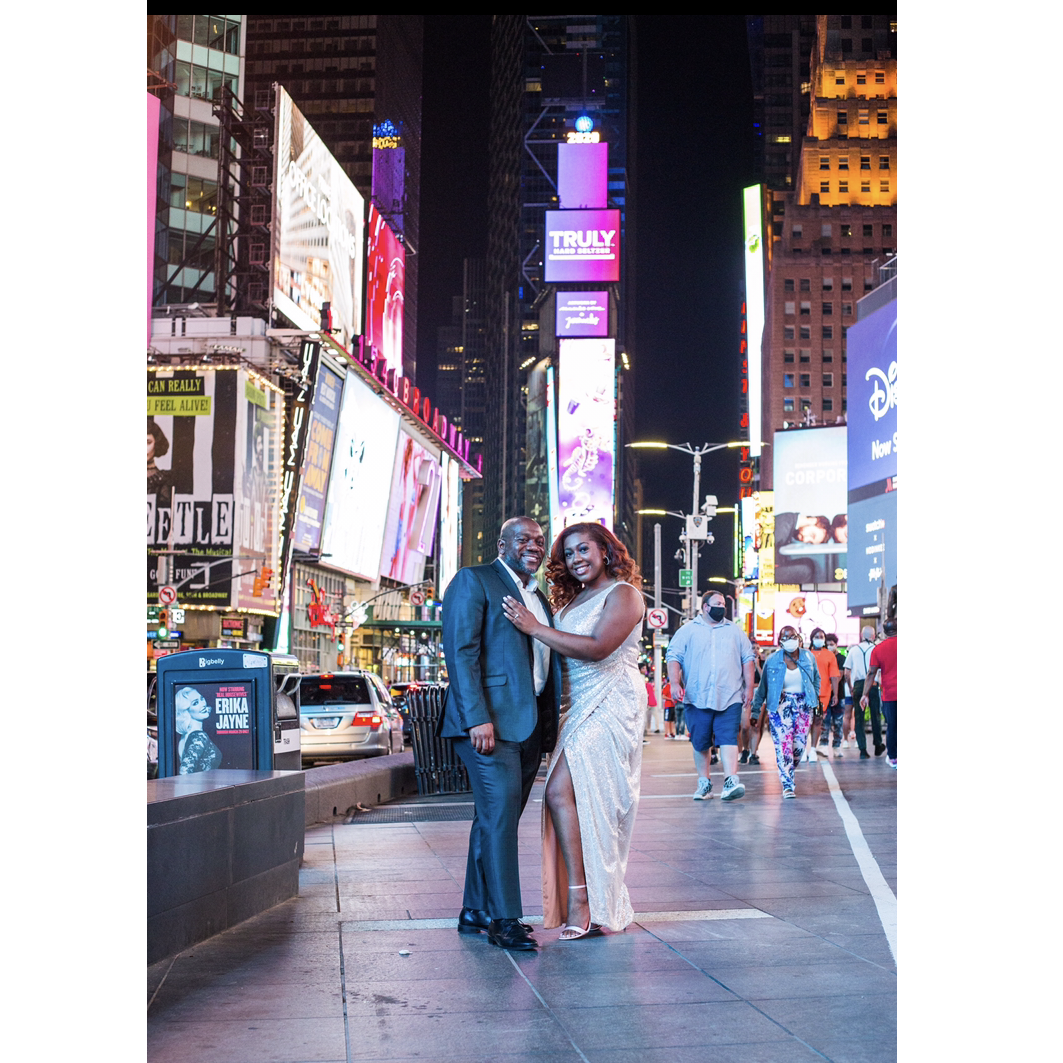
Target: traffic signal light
(262,581)
(164,624)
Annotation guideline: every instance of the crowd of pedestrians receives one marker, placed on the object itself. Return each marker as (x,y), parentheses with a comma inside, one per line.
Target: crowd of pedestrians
(728,692)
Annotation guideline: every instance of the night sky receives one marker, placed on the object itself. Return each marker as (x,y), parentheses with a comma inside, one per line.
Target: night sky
(696,152)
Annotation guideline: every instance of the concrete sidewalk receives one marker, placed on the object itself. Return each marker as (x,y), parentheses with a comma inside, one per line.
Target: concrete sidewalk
(765,933)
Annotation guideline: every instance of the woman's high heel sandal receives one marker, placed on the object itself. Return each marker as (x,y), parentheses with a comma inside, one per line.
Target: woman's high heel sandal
(574,933)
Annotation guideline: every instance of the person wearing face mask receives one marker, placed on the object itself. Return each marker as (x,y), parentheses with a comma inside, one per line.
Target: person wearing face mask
(710,667)
(829,677)
(856,667)
(789,689)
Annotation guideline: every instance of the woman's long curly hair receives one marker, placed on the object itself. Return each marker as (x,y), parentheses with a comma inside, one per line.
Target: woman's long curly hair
(619,564)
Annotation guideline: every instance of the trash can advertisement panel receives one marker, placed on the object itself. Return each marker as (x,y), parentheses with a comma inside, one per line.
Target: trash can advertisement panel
(213,455)
(586,431)
(214,726)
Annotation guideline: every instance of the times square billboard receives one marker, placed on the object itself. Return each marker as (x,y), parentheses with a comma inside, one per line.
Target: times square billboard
(385,294)
(318,230)
(214,447)
(582,245)
(811,523)
(873,387)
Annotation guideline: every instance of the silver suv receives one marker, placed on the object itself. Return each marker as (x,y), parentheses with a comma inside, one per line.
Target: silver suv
(343,715)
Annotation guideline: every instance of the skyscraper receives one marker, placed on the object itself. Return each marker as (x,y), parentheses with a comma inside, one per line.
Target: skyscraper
(837,226)
(546,71)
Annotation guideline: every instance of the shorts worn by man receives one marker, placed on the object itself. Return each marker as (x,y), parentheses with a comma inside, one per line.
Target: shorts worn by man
(710,668)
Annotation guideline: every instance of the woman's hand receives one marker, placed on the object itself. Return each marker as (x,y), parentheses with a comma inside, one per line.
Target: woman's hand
(520,616)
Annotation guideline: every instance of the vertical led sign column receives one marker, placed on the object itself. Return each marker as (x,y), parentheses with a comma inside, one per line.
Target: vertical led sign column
(753,215)
(872,422)
(385,291)
(582,245)
(586,431)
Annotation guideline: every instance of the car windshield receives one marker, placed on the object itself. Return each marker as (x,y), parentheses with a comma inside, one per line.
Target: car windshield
(333,690)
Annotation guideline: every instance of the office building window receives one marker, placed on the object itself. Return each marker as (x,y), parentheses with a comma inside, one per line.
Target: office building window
(861,77)
(828,404)
(869,231)
(865,186)
(805,355)
(843,162)
(788,332)
(864,116)
(883,117)
(806,284)
(824,186)
(796,232)
(828,284)
(788,354)
(843,118)
(788,405)
(787,380)
(806,380)
(824,162)
(788,284)
(828,332)
(846,228)
(828,380)
(806,332)
(847,284)
(789,308)
(880,77)
(883,186)
(865,162)
(806,405)
(828,354)
(883,162)
(806,309)
(843,186)
(825,229)
(828,309)
(847,309)
(887,230)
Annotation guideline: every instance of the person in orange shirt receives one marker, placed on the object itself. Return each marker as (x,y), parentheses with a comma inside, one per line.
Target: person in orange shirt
(829,677)
(669,710)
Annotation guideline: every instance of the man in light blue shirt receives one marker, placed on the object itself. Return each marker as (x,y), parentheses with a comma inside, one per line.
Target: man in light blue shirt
(710,667)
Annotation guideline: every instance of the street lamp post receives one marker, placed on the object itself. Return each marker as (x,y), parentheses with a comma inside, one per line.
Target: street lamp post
(696,452)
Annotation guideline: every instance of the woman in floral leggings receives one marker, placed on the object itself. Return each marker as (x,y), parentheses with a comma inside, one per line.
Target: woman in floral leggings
(789,685)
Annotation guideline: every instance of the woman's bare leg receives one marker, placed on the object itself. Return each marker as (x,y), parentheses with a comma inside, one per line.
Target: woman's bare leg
(561,801)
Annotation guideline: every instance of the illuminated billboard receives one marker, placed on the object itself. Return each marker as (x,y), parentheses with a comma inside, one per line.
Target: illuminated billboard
(582,314)
(811,526)
(360,481)
(385,291)
(807,610)
(153,184)
(582,245)
(753,215)
(317,460)
(583,176)
(318,230)
(411,526)
(873,389)
(586,431)
(449,523)
(213,441)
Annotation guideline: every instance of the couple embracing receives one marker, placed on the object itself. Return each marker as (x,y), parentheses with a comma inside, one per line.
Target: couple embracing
(530,676)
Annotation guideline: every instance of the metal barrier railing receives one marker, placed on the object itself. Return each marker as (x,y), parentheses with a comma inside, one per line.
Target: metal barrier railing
(438,769)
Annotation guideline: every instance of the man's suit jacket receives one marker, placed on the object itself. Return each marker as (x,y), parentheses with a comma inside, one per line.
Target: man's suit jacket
(490,664)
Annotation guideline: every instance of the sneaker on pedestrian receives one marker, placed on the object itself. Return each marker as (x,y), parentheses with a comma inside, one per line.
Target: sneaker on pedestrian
(704,790)
(811,754)
(744,758)
(669,738)
(879,750)
(788,792)
(864,755)
(732,789)
(892,762)
(838,753)
(754,758)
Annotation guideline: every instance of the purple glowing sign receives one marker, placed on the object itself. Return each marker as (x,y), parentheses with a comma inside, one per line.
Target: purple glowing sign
(582,245)
(586,431)
(583,176)
(582,314)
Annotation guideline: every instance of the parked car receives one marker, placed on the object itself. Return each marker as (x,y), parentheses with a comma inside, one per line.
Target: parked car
(399,691)
(344,715)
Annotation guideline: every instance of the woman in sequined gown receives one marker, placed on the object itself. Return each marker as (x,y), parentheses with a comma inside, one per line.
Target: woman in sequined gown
(592,780)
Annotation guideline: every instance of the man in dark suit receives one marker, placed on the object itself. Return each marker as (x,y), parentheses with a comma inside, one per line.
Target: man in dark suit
(501,712)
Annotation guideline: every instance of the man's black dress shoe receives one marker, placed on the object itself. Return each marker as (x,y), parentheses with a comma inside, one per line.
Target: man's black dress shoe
(510,934)
(471,921)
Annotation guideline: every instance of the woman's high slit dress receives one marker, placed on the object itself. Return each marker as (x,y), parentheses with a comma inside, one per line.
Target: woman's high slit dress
(603,717)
